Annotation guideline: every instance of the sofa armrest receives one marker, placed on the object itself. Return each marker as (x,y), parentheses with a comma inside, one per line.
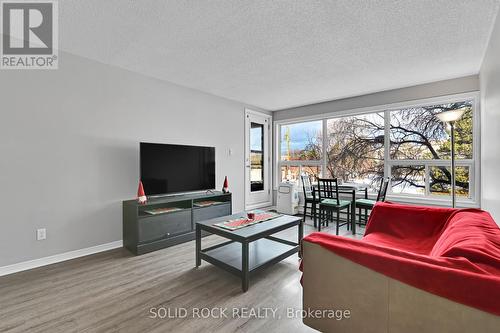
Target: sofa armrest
(375,302)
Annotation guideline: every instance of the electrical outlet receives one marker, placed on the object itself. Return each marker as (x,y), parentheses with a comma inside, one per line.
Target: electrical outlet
(41,234)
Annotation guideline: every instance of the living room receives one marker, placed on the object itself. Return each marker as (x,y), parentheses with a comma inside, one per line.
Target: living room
(245,166)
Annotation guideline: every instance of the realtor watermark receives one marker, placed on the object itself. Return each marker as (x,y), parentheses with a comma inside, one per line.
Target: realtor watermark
(29,34)
(162,312)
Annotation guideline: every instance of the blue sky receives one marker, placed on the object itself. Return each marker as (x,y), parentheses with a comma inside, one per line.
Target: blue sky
(299,134)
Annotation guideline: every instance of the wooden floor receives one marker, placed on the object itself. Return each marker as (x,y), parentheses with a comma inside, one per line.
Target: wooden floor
(115,291)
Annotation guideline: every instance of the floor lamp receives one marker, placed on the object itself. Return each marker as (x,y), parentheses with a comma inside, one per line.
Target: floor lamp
(450,117)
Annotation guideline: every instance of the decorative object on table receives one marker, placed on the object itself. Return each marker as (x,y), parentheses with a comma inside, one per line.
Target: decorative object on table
(141,196)
(251,215)
(206,203)
(450,117)
(235,224)
(162,210)
(225,187)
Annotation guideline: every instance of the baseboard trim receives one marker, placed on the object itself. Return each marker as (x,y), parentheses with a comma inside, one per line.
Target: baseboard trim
(30,264)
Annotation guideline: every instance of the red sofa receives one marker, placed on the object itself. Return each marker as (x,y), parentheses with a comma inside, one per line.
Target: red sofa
(441,255)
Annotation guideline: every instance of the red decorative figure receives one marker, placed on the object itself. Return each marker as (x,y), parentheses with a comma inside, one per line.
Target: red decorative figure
(225,187)
(141,196)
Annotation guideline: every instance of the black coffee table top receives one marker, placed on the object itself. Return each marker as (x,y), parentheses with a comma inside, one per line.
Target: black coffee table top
(252,232)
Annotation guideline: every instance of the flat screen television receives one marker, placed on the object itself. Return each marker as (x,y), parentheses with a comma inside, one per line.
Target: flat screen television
(167,168)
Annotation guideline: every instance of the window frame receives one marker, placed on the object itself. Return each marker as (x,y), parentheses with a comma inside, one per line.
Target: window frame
(427,198)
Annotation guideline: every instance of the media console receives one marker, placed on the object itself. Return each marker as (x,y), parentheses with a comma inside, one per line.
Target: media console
(168,221)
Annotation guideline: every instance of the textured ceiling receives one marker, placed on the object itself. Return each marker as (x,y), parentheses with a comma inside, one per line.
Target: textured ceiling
(278,54)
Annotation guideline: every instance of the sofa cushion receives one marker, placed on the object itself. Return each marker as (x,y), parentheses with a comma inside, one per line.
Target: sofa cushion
(365,202)
(333,203)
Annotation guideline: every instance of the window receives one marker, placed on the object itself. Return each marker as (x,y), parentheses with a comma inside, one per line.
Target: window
(301,150)
(256,157)
(440,183)
(355,149)
(409,145)
(290,173)
(301,142)
(416,133)
(313,171)
(408,179)
(420,150)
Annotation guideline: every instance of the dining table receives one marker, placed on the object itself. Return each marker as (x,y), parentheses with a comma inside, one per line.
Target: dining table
(349,188)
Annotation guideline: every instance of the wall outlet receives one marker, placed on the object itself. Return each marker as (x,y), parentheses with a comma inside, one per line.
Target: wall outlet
(41,234)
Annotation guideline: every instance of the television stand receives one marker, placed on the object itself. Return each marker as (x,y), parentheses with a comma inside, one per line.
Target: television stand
(167,221)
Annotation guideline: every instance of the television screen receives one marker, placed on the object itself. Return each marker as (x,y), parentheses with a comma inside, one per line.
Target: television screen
(169,168)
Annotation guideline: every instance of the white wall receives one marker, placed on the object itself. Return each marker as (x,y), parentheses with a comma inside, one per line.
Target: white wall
(490,126)
(69,143)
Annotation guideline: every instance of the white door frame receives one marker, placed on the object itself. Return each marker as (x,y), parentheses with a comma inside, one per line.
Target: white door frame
(267,160)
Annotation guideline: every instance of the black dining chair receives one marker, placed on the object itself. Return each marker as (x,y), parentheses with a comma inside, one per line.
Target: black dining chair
(367,204)
(310,198)
(329,202)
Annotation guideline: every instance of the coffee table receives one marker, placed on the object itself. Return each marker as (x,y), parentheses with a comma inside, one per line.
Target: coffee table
(249,249)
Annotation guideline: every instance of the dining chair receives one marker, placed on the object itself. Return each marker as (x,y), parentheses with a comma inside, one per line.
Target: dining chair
(309,197)
(367,204)
(329,202)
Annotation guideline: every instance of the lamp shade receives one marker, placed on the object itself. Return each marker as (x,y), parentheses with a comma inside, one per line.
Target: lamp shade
(450,116)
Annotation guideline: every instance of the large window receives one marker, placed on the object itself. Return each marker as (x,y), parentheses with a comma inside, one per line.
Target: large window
(409,145)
